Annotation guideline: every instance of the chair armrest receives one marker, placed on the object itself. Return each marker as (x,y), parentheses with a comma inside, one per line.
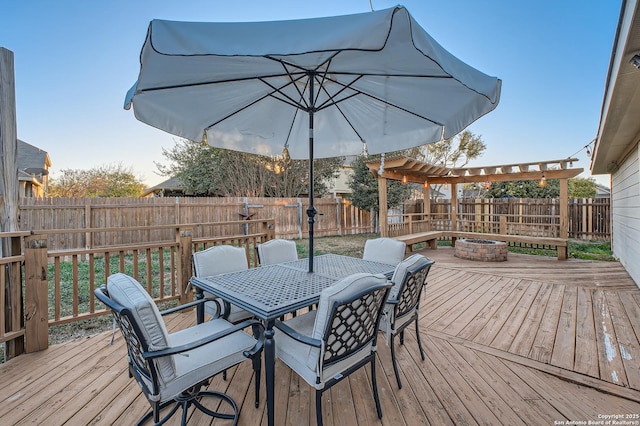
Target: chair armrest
(297,336)
(258,333)
(200,342)
(188,305)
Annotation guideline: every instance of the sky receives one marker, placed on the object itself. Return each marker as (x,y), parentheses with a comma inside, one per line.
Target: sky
(74,61)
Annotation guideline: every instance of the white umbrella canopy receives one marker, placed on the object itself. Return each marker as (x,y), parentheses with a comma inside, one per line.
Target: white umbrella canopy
(322,87)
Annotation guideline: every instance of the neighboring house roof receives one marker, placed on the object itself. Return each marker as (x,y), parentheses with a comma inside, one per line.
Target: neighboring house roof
(602,191)
(32,159)
(171,185)
(33,164)
(619,124)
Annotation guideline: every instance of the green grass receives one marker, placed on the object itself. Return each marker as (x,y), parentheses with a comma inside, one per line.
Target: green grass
(578,249)
(591,250)
(100,272)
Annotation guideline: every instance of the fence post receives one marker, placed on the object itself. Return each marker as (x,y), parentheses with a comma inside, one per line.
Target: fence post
(503,225)
(269,231)
(300,216)
(36,294)
(185,239)
(14,318)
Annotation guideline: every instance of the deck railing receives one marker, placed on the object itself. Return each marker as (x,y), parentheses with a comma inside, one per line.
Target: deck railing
(589,219)
(495,224)
(12,257)
(42,288)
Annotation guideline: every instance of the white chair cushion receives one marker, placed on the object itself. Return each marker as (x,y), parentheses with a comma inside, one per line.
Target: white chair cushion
(399,274)
(411,262)
(219,260)
(384,250)
(235,315)
(339,291)
(294,353)
(277,251)
(297,355)
(128,292)
(201,363)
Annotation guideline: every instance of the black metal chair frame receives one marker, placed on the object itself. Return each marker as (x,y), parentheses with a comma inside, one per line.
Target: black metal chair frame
(407,301)
(372,299)
(144,370)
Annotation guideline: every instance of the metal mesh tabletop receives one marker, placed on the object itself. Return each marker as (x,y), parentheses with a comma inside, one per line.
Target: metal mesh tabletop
(271,291)
(338,266)
(268,291)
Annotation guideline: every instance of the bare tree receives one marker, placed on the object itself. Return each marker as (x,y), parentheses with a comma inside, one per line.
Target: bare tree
(453,152)
(204,170)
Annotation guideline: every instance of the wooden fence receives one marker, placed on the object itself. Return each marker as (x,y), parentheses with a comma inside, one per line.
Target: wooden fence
(336,217)
(589,219)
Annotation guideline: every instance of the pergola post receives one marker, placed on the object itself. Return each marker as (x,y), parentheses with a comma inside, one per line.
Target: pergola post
(454,207)
(426,201)
(564,217)
(382,204)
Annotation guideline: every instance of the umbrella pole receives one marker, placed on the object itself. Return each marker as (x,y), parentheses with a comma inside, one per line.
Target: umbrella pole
(311,210)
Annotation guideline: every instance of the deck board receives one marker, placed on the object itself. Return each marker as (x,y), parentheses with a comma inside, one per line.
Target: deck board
(628,347)
(528,341)
(587,357)
(512,325)
(565,342)
(610,364)
(524,338)
(542,347)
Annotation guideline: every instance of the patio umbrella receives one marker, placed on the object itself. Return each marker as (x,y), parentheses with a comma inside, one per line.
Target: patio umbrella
(323,87)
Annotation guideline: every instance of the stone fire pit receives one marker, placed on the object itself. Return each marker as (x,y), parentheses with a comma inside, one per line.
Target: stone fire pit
(482,250)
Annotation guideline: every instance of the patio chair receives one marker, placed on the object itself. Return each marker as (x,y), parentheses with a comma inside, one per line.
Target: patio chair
(384,250)
(220,260)
(326,345)
(409,278)
(173,368)
(276,251)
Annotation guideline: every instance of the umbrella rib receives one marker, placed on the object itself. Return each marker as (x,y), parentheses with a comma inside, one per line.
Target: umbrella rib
(204,83)
(245,107)
(349,123)
(332,102)
(287,100)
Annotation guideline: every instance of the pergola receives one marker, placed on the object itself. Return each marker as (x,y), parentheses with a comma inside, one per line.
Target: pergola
(406,169)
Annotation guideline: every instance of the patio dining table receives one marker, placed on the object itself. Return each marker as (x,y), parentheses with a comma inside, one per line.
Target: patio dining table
(271,291)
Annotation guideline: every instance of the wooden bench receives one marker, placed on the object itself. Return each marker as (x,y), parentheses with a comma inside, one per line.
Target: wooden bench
(431,238)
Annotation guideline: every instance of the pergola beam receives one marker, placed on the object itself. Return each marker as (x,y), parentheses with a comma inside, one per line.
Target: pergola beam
(496,177)
(419,172)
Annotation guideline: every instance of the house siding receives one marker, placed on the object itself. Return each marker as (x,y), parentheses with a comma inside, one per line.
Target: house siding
(625,204)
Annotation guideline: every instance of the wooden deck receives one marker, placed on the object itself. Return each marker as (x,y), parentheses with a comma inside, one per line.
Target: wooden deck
(530,341)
